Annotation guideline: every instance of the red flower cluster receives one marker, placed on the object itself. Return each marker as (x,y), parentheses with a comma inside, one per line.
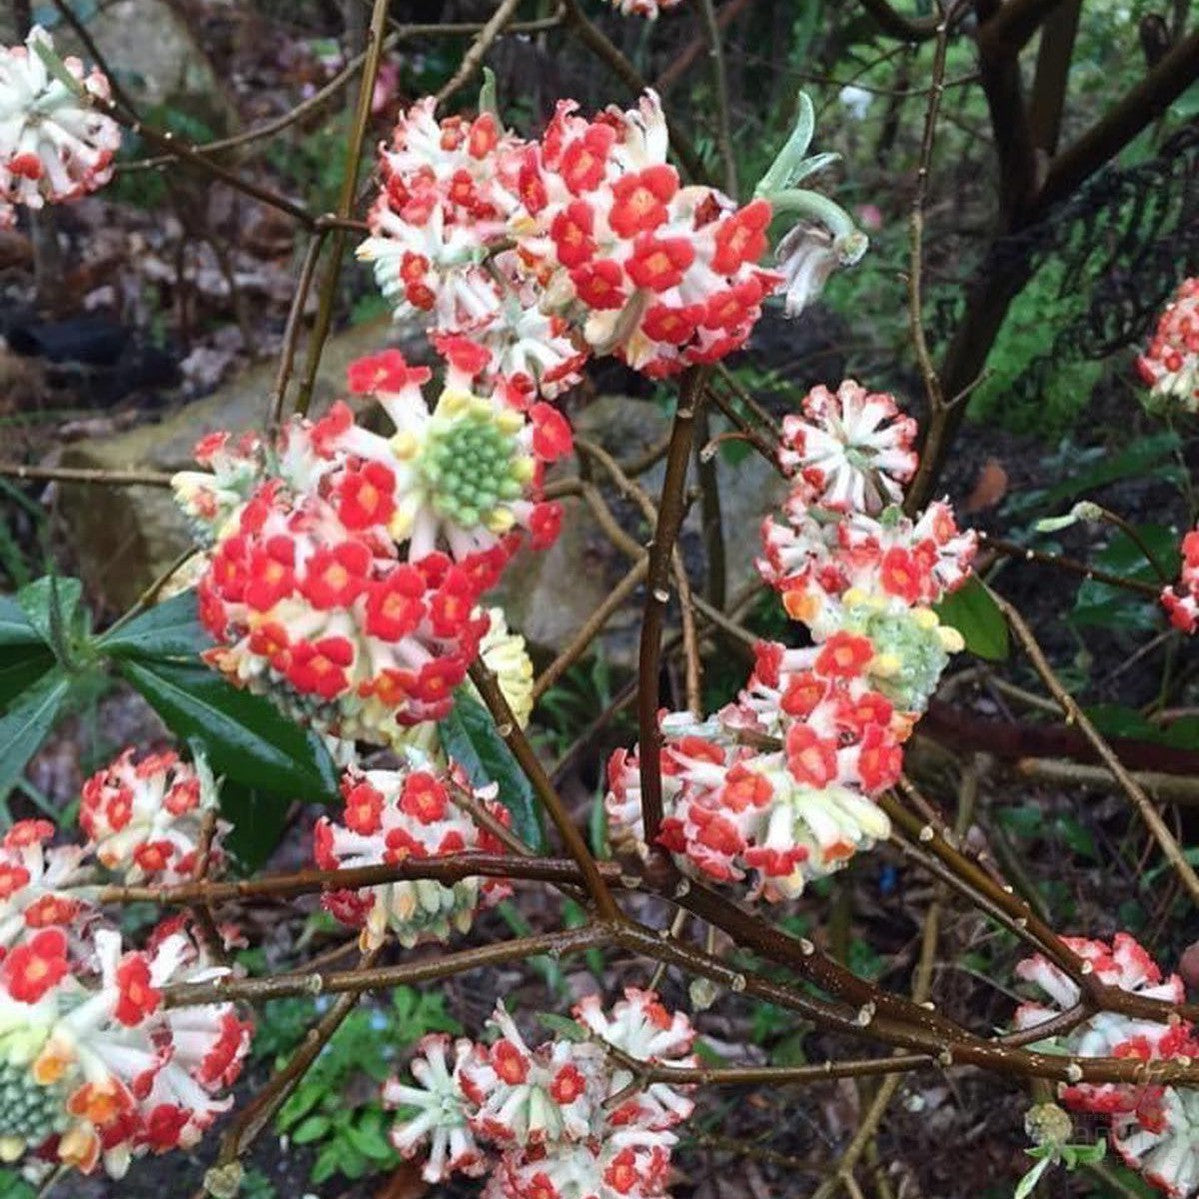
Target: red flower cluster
(391,816)
(348,566)
(1154,1127)
(581,242)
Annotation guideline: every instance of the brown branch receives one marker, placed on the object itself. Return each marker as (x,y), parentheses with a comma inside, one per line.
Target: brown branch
(472,60)
(291,331)
(594,39)
(345,202)
(450,868)
(956,1048)
(1177,70)
(1070,565)
(682,62)
(439,966)
(1054,54)
(928,372)
(720,85)
(1012,24)
(1168,788)
(896,24)
(526,757)
(589,630)
(961,729)
(670,519)
(166,143)
(72,474)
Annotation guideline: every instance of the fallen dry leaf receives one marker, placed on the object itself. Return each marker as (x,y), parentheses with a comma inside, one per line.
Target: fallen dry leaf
(989,488)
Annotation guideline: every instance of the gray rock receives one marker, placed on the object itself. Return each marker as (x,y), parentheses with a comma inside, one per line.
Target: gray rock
(150,47)
(125,537)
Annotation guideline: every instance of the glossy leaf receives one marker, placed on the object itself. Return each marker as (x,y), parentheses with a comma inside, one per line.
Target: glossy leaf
(171,629)
(1145,456)
(977,617)
(1102,605)
(469,736)
(20,668)
(259,819)
(15,629)
(245,737)
(26,725)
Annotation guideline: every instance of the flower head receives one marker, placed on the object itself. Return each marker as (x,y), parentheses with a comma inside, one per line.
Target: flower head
(1170,365)
(144,819)
(391,816)
(850,450)
(55,144)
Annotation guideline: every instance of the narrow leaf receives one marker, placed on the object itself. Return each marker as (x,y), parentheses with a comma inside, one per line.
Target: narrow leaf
(244,736)
(15,628)
(25,727)
(469,736)
(20,668)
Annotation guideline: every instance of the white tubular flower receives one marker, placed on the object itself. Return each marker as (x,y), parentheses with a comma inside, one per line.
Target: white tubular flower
(1170,364)
(54,144)
(38,883)
(1164,1145)
(851,450)
(144,819)
(393,815)
(434,1112)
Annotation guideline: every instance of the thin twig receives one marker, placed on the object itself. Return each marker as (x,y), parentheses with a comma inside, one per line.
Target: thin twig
(345,201)
(526,757)
(472,60)
(96,476)
(670,518)
(1075,715)
(720,84)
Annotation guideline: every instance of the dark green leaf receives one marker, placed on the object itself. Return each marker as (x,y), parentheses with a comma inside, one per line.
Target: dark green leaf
(168,630)
(258,818)
(1116,720)
(311,1129)
(1102,605)
(20,668)
(15,629)
(245,737)
(562,1027)
(977,617)
(1144,457)
(370,1142)
(469,736)
(52,605)
(24,728)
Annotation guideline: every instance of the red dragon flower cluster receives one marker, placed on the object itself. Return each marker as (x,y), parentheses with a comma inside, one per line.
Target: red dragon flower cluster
(347,566)
(557,1121)
(144,819)
(94,1069)
(1169,366)
(1181,601)
(54,144)
(846,560)
(1155,1128)
(391,816)
(780,785)
(581,242)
